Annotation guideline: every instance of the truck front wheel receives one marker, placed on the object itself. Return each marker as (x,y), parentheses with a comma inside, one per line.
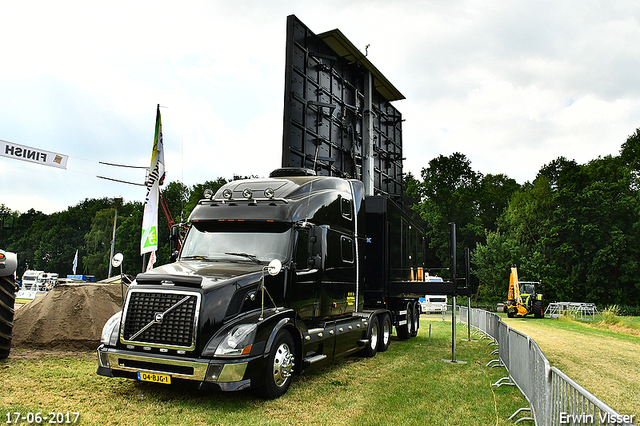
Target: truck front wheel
(280,366)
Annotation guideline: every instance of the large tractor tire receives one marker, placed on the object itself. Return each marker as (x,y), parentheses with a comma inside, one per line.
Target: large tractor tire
(7,300)
(538,309)
(8,264)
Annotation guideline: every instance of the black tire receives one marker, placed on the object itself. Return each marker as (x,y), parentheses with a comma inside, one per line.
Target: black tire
(385,332)
(511,314)
(7,301)
(415,326)
(280,366)
(538,309)
(404,331)
(373,336)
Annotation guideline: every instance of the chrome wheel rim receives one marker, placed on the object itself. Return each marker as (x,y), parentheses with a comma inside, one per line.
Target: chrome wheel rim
(282,365)
(374,336)
(386,332)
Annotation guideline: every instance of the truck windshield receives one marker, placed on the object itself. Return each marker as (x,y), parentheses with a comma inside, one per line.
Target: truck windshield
(237,241)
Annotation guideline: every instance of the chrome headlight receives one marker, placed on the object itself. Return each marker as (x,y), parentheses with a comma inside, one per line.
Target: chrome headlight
(110,330)
(238,341)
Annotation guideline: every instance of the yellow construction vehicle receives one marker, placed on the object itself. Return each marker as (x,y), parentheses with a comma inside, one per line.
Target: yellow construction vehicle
(524,297)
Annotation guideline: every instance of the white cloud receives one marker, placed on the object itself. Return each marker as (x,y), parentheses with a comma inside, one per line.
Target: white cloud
(511,85)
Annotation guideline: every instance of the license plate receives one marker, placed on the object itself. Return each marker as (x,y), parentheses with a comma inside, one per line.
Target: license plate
(154,377)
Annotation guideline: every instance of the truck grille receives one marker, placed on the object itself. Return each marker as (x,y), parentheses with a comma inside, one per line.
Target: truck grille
(161,318)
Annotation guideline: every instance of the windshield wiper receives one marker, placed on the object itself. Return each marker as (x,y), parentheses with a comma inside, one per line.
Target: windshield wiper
(247,255)
(194,257)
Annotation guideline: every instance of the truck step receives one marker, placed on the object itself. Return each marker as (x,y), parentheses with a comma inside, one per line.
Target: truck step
(313,359)
(363,342)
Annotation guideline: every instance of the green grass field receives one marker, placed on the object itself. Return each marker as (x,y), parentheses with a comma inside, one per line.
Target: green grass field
(407,385)
(604,360)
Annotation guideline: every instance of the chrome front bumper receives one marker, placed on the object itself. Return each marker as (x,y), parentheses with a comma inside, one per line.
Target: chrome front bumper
(122,363)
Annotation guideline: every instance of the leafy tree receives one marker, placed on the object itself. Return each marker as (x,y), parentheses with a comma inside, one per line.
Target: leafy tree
(128,237)
(448,193)
(98,244)
(492,265)
(493,197)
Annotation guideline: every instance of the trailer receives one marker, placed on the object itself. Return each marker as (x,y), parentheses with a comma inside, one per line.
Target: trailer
(274,276)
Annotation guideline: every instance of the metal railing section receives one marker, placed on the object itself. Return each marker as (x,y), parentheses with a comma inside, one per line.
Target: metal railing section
(554,398)
(583,311)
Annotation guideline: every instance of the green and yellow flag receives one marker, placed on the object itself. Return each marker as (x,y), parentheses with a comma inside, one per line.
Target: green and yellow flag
(149,240)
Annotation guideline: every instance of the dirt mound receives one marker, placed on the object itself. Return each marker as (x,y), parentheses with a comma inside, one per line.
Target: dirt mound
(69,317)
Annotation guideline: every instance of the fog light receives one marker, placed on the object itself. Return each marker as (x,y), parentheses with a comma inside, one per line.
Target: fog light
(103,357)
(213,372)
(269,193)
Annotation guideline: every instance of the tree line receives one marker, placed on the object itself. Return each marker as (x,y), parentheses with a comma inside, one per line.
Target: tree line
(48,242)
(575,227)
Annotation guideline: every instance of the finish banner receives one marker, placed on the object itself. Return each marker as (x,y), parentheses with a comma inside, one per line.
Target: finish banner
(32,155)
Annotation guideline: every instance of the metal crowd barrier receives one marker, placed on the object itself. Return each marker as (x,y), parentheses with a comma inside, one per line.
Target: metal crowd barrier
(554,398)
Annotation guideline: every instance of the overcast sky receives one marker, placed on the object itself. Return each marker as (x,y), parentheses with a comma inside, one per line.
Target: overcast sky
(510,84)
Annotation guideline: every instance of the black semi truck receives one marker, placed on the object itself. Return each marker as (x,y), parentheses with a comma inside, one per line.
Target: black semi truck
(274,276)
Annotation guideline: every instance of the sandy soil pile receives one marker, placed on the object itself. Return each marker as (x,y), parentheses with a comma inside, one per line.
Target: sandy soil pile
(69,317)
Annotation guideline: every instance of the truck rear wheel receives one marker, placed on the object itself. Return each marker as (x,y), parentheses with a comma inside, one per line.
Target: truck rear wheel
(280,365)
(385,333)
(404,331)
(416,319)
(7,300)
(373,336)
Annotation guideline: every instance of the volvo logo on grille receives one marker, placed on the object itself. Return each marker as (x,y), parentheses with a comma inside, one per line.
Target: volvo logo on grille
(159,317)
